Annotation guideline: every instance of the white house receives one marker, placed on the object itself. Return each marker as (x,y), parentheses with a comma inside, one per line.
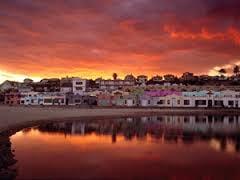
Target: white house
(31,98)
(79,86)
(54,99)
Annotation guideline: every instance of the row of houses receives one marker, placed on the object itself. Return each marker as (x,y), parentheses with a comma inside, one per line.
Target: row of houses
(156,98)
(47,99)
(169,98)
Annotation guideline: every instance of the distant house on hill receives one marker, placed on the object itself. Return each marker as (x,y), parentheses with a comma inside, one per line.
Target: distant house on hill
(142,80)
(6,85)
(47,85)
(66,85)
(130,77)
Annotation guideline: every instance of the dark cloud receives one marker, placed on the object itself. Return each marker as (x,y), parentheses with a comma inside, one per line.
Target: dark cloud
(142,36)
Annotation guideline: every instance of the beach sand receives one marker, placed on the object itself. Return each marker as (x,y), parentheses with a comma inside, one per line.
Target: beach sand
(13,116)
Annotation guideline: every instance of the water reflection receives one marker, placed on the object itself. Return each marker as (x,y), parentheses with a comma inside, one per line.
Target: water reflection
(169,147)
(223,131)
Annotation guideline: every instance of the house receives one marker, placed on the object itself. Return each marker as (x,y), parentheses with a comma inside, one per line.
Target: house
(169,78)
(125,100)
(105,99)
(76,99)
(12,98)
(54,99)
(95,93)
(79,86)
(47,85)
(27,81)
(8,85)
(230,98)
(157,78)
(111,85)
(31,98)
(142,80)
(146,100)
(130,77)
(66,85)
(187,76)
(23,87)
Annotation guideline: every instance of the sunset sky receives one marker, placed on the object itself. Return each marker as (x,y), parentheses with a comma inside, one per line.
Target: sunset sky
(94,38)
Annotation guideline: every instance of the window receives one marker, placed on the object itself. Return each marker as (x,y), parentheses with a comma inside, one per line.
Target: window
(186,119)
(79,83)
(149,102)
(178,101)
(218,103)
(168,101)
(186,102)
(77,101)
(161,102)
(231,119)
(201,102)
(79,88)
(230,103)
(160,118)
(49,100)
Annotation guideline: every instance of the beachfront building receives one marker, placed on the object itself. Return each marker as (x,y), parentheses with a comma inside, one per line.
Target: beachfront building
(80,100)
(146,101)
(79,86)
(125,100)
(31,98)
(56,99)
(203,99)
(12,98)
(105,99)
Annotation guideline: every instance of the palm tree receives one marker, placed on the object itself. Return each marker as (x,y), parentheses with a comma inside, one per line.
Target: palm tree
(115,76)
(222,72)
(236,70)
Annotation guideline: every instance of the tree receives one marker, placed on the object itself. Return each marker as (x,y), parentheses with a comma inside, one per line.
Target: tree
(236,70)
(222,71)
(115,76)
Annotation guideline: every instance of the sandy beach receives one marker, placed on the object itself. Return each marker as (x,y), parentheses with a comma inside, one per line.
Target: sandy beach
(15,116)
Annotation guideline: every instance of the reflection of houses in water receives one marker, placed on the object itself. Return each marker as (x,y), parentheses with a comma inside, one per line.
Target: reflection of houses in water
(186,129)
(224,124)
(78,128)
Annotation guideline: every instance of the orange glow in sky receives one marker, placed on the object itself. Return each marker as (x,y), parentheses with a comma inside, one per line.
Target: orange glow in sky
(91,39)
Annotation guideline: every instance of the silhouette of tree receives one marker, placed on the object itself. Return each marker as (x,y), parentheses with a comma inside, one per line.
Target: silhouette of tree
(115,76)
(222,71)
(236,70)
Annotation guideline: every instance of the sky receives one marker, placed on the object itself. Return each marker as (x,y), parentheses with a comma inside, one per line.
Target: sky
(94,38)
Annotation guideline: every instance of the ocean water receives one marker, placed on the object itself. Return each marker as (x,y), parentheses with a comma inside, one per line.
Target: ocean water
(157,147)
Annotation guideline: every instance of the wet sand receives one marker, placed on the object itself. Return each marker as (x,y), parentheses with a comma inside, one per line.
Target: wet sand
(17,116)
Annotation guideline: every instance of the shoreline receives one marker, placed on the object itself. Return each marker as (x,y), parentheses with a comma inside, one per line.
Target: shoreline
(20,117)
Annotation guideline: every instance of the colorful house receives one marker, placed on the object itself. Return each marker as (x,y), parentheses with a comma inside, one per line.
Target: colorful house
(12,98)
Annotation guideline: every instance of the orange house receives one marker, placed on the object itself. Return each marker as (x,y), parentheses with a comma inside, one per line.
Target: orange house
(12,98)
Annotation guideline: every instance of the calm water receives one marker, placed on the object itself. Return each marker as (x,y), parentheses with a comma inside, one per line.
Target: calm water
(163,147)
